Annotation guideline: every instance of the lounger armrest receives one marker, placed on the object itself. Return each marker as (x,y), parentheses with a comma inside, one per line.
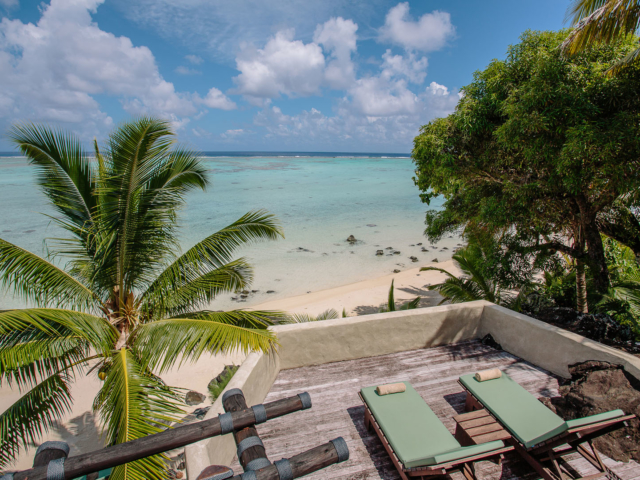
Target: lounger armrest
(599,417)
(466,452)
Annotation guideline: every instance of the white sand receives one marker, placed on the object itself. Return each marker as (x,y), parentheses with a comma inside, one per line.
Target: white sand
(81,427)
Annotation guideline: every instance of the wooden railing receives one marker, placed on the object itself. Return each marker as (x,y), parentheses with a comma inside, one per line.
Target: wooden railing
(241,418)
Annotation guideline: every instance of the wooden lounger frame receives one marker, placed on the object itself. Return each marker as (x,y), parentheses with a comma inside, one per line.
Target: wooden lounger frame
(544,456)
(464,465)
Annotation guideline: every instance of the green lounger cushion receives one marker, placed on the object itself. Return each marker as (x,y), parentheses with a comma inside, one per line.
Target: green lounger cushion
(519,411)
(598,417)
(415,433)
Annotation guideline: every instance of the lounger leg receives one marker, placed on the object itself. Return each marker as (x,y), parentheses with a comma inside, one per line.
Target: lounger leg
(367,420)
(472,404)
(469,471)
(543,471)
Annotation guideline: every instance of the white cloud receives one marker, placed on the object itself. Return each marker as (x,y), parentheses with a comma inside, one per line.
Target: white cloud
(232,133)
(51,70)
(182,70)
(216,99)
(338,37)
(194,59)
(8,4)
(219,26)
(201,132)
(377,97)
(283,66)
(415,70)
(430,32)
(391,123)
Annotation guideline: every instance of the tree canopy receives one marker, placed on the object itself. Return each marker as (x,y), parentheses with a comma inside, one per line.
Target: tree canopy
(542,149)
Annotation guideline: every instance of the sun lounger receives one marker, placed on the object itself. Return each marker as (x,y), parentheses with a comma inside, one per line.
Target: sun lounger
(540,436)
(418,443)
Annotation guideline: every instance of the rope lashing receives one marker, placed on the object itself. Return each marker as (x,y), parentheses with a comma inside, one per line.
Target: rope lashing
(248,442)
(226,423)
(260,413)
(284,469)
(305,398)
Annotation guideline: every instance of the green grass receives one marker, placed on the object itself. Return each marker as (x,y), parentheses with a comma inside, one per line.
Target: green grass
(216,388)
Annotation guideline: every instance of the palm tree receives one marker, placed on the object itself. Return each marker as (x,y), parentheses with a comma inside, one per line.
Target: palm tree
(329,314)
(602,21)
(473,285)
(125,305)
(391,302)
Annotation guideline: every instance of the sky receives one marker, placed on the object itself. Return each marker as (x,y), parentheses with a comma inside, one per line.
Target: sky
(254,75)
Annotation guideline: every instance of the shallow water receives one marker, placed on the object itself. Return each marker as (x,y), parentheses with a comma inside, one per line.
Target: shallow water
(320,201)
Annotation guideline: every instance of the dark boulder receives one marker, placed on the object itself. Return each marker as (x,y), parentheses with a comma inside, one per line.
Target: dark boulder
(379,252)
(597,387)
(194,398)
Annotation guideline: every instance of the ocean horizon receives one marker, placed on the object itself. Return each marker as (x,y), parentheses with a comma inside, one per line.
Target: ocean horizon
(320,200)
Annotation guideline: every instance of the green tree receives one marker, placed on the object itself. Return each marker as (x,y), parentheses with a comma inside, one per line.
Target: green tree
(125,304)
(603,21)
(541,149)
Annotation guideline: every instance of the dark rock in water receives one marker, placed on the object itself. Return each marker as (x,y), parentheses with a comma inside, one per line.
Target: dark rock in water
(254,291)
(396,271)
(5,231)
(379,252)
(413,259)
(371,225)
(194,398)
(325,254)
(234,298)
(245,292)
(412,245)
(424,249)
(389,248)
(396,252)
(351,239)
(490,342)
(445,248)
(300,249)
(201,412)
(435,260)
(597,387)
(243,296)
(271,291)
(29,231)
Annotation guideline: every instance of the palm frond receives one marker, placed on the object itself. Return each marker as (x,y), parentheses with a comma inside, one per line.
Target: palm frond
(214,252)
(34,414)
(49,324)
(329,314)
(134,403)
(162,343)
(32,278)
(64,171)
(391,302)
(600,21)
(143,187)
(189,294)
(413,304)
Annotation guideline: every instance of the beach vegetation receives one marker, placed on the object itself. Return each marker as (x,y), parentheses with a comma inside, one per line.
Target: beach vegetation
(391,302)
(329,314)
(542,154)
(114,296)
(217,386)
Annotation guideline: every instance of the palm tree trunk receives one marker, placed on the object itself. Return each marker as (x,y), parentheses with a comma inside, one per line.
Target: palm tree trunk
(581,287)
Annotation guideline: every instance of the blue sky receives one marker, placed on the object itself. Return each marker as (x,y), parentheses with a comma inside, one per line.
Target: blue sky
(260,75)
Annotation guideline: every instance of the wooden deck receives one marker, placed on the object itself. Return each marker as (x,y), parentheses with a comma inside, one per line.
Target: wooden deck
(338,412)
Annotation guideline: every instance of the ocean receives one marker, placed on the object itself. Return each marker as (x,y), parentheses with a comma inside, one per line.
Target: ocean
(320,199)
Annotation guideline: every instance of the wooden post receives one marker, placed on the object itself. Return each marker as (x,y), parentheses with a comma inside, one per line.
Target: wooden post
(50,451)
(233,401)
(169,439)
(312,460)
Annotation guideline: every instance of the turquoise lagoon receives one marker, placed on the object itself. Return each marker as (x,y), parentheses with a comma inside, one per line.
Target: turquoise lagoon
(320,201)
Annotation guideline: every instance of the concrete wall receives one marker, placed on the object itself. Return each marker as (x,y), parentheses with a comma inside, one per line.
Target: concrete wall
(549,347)
(254,377)
(342,339)
(379,334)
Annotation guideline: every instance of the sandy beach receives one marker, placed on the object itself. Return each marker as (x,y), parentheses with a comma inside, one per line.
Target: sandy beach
(81,428)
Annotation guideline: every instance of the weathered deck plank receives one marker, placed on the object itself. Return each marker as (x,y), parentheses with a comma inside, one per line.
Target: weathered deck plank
(337,409)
